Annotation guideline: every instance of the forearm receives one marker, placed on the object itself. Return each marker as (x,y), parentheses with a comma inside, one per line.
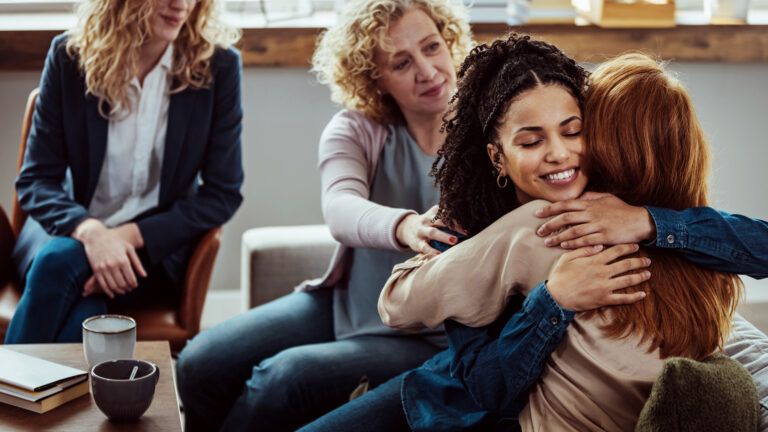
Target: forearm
(427,290)
(471,282)
(714,239)
(357,222)
(498,371)
(186,220)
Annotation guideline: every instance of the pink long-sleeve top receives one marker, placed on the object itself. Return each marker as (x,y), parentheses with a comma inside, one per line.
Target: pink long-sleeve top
(348,153)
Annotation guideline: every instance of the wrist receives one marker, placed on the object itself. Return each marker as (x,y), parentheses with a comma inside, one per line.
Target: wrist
(402,229)
(131,234)
(542,298)
(554,293)
(648,230)
(87,229)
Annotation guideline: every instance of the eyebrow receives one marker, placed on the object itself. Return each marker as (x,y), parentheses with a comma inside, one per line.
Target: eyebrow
(539,128)
(419,43)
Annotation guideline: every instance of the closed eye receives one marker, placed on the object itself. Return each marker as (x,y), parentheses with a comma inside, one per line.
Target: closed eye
(530,144)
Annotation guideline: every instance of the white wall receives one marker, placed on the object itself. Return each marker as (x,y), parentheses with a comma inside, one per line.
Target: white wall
(286,110)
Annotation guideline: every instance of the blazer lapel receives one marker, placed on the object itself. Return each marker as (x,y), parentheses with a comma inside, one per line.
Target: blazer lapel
(179,112)
(97,127)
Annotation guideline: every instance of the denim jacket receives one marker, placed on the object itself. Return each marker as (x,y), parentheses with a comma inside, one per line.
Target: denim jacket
(481,381)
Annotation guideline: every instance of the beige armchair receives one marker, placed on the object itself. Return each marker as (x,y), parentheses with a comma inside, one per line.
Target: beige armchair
(276,259)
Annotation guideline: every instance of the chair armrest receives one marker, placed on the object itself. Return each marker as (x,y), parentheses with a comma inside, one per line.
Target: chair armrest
(197,279)
(276,259)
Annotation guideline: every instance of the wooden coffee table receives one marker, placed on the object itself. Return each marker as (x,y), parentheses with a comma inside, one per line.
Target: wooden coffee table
(82,414)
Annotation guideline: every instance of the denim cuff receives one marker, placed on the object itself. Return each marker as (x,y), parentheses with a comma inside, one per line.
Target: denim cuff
(671,229)
(544,309)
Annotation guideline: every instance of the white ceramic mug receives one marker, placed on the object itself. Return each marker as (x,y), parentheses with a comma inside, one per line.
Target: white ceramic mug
(108,337)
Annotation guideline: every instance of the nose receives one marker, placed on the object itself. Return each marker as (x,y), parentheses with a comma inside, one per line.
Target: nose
(558,151)
(425,70)
(180,4)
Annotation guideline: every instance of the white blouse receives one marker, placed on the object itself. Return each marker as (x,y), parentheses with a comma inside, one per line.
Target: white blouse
(129,182)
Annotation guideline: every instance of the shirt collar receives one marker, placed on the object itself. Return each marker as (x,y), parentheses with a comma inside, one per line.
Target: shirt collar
(166,61)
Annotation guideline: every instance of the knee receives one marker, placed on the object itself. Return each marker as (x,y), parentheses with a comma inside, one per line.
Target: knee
(195,368)
(278,385)
(62,259)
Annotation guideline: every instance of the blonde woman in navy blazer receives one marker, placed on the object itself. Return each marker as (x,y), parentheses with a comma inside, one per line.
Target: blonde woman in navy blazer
(119,184)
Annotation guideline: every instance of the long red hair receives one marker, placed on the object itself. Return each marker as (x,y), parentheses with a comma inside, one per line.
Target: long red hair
(645,145)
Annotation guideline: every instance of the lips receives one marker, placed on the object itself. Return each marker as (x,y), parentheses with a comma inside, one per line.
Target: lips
(172,21)
(562,177)
(433,91)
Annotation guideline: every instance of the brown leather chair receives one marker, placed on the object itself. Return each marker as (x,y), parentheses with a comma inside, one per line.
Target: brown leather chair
(175,322)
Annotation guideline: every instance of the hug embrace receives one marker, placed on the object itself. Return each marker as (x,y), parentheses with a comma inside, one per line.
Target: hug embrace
(566,257)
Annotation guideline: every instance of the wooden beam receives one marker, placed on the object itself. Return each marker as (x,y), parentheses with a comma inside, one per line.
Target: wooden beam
(293,47)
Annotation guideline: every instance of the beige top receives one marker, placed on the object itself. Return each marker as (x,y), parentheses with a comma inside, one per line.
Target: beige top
(589,383)
(427,290)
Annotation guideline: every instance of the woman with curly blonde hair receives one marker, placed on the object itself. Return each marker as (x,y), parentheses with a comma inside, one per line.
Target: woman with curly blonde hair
(392,65)
(137,103)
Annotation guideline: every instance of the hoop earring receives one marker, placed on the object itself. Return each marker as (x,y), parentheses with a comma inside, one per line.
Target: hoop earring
(499,182)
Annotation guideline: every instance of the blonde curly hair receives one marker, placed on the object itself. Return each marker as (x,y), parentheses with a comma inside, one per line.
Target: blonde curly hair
(108,38)
(344,57)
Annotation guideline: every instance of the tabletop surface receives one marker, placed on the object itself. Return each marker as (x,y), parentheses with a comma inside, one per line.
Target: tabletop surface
(82,414)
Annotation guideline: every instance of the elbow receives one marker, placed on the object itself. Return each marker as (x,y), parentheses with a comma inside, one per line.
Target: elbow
(487,390)
(391,320)
(489,397)
(337,232)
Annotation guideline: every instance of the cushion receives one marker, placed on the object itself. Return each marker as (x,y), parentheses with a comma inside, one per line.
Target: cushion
(714,395)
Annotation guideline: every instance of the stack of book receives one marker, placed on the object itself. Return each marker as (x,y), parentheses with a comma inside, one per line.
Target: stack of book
(38,385)
(631,14)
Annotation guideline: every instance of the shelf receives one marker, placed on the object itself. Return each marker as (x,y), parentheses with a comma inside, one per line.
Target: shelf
(25,48)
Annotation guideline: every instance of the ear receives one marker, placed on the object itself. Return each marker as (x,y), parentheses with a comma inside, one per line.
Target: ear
(496,157)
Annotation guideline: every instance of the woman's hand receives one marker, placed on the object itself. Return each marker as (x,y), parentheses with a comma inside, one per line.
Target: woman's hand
(587,278)
(112,258)
(415,232)
(595,219)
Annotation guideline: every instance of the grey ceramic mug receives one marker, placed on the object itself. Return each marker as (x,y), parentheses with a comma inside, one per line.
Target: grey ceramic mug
(117,396)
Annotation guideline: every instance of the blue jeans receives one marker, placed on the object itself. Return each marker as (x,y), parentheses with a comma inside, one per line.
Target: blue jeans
(52,308)
(279,366)
(379,410)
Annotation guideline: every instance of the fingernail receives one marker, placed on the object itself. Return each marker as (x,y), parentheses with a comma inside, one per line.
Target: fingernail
(647,274)
(642,294)
(647,261)
(452,240)
(549,242)
(540,231)
(564,245)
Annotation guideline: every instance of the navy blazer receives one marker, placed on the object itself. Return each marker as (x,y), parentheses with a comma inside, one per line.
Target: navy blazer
(201,171)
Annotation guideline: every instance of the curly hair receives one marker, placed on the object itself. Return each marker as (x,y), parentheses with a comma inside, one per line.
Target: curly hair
(344,56)
(489,80)
(108,38)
